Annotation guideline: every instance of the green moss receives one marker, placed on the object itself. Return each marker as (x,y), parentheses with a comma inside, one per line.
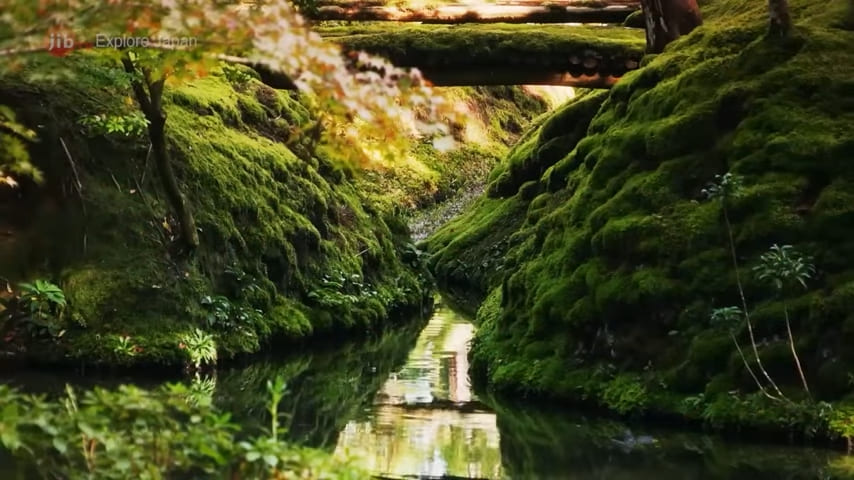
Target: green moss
(635,20)
(619,260)
(469,251)
(485,44)
(543,145)
(265,208)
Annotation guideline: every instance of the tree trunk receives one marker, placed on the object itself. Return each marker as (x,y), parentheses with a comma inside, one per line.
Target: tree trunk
(187,223)
(780,22)
(150,103)
(667,20)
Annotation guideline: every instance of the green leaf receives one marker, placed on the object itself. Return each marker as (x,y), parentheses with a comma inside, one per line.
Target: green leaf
(209,452)
(9,438)
(271,459)
(60,445)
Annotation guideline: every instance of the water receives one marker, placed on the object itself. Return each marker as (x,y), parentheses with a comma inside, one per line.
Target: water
(403,432)
(401,404)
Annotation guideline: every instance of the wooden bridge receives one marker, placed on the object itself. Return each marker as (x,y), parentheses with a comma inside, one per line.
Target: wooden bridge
(580,43)
(461,44)
(502,54)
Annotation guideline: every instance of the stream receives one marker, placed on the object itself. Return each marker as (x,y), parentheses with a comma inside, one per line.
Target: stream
(401,406)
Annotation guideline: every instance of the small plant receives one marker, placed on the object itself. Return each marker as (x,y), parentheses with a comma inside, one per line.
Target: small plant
(266,451)
(41,296)
(729,319)
(236,75)
(241,283)
(200,347)
(201,391)
(115,125)
(694,403)
(124,348)
(224,315)
(785,268)
(841,422)
(724,188)
(43,304)
(341,289)
(625,394)
(219,310)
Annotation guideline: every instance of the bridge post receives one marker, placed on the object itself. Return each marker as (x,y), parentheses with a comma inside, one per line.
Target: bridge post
(667,20)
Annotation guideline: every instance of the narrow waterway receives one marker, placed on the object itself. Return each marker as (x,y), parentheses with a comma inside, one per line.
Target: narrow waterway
(425,420)
(400,405)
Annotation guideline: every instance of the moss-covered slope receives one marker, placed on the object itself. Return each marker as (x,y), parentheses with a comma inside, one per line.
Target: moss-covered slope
(468,253)
(284,230)
(615,261)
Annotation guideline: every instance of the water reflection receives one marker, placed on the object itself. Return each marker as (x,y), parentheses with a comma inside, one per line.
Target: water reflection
(427,421)
(554,444)
(400,404)
(325,388)
(424,421)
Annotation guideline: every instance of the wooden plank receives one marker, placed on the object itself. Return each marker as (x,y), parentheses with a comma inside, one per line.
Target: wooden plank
(462,77)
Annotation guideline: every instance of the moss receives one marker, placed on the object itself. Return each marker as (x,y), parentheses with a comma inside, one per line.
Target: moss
(543,146)
(635,20)
(474,262)
(486,44)
(619,260)
(269,213)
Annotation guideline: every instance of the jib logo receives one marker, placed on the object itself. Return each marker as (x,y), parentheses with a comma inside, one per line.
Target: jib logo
(60,43)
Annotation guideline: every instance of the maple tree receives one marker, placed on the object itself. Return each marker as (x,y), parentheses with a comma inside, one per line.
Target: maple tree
(369,108)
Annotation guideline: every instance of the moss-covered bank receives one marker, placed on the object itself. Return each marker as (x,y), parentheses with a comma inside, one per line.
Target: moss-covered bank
(468,254)
(285,229)
(600,262)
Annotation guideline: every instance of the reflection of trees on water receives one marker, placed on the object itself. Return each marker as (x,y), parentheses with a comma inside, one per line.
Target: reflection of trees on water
(437,367)
(394,439)
(325,389)
(424,442)
(540,444)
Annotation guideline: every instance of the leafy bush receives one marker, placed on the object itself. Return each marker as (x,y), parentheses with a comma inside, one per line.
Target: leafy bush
(341,289)
(124,348)
(224,315)
(200,347)
(237,74)
(811,419)
(625,394)
(123,126)
(842,423)
(134,433)
(39,307)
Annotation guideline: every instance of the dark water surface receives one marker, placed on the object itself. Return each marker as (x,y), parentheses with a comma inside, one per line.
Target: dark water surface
(402,405)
